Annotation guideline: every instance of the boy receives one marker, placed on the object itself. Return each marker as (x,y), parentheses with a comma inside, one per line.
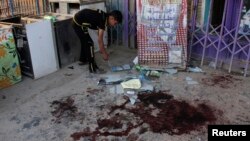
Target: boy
(97,20)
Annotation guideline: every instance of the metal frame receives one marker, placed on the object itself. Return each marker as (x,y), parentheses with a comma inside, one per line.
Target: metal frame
(223,43)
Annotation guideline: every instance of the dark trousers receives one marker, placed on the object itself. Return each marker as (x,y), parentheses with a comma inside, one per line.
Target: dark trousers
(87,47)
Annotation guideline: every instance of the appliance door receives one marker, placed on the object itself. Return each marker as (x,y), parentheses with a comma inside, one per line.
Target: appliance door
(68,43)
(42,48)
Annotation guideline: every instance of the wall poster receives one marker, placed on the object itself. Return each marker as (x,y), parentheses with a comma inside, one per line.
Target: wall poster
(162,32)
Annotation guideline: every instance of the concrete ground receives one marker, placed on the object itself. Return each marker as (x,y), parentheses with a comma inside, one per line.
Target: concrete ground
(28,109)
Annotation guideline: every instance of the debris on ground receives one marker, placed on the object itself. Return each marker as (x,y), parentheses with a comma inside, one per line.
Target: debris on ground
(190,81)
(112,80)
(132,95)
(117,89)
(129,92)
(153,73)
(131,84)
(171,71)
(147,87)
(105,82)
(121,68)
(136,60)
(195,69)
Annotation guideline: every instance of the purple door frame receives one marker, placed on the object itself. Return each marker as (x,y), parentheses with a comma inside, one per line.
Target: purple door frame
(221,43)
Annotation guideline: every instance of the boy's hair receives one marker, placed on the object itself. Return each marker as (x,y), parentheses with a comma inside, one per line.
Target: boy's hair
(117,15)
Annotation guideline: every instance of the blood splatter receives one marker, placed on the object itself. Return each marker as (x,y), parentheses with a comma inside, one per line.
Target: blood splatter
(63,107)
(94,91)
(173,117)
(223,81)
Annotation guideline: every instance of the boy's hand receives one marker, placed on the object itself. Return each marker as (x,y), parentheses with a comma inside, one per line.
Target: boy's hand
(105,56)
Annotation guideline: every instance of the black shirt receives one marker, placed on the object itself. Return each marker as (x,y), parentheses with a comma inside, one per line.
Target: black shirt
(96,18)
